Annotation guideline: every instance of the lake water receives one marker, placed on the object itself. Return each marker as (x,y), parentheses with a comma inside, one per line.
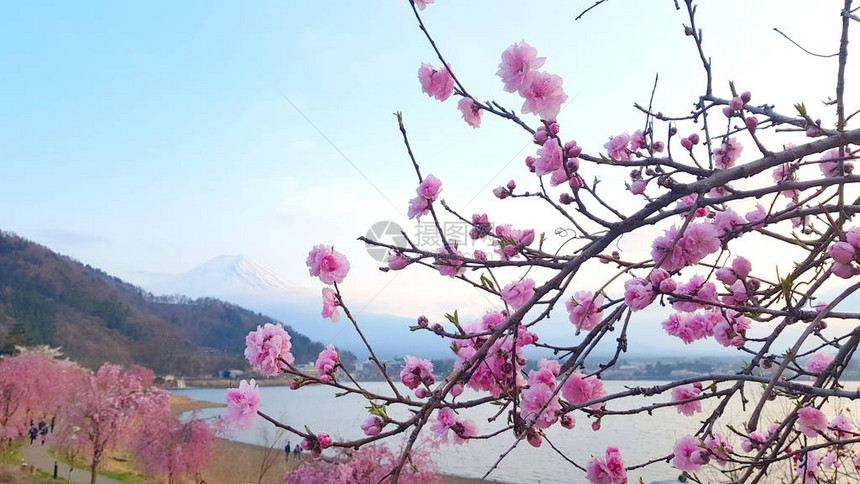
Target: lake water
(640,437)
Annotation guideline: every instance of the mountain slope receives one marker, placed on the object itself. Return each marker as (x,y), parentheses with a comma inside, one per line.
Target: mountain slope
(46,298)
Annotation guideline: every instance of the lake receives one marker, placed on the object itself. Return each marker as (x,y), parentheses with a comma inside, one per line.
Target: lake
(639,437)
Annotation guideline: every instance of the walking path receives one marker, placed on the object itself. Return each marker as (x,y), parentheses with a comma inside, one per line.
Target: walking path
(37,455)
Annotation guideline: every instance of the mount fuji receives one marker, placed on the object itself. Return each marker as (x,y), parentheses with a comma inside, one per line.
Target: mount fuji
(242,281)
(233,278)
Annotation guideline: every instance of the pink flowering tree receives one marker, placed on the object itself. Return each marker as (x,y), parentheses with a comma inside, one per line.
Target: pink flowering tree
(172,449)
(109,408)
(707,193)
(32,386)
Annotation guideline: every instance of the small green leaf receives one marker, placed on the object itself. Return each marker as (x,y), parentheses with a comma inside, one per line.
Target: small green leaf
(486,282)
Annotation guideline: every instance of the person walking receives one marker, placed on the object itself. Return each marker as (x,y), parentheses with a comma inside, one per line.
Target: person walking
(33,432)
(298,451)
(287,449)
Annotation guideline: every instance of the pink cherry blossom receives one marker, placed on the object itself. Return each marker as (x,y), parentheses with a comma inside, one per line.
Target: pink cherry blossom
(327,362)
(518,63)
(421,4)
(580,389)
(617,147)
(328,264)
(429,188)
(418,207)
(608,469)
(447,420)
(448,266)
(841,426)
(830,163)
(683,393)
(698,241)
(690,326)
(543,94)
(727,154)
(549,157)
(471,112)
(689,454)
(807,467)
(436,83)
(372,425)
(416,372)
(819,362)
(731,329)
(558,177)
(518,293)
(753,442)
(637,141)
(268,348)
(330,304)
(810,421)
(638,293)
(242,404)
(757,215)
(720,449)
(728,221)
(584,310)
(533,400)
(695,288)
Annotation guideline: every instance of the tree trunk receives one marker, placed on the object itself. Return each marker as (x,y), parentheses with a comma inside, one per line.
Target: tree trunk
(94,469)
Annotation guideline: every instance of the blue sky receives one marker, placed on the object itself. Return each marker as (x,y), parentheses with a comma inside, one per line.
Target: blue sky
(146,138)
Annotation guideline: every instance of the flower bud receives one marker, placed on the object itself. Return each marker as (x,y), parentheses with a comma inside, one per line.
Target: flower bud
(530,162)
(686,143)
(576,183)
(423,321)
(751,123)
(554,128)
(694,138)
(534,438)
(736,104)
(746,96)
(657,276)
(397,262)
(742,267)
(668,286)
(595,426)
(727,111)
(845,271)
(841,252)
(480,255)
(726,275)
(540,135)
(638,187)
(511,185)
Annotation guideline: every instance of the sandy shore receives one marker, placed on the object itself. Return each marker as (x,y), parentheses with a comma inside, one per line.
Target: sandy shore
(180,404)
(237,462)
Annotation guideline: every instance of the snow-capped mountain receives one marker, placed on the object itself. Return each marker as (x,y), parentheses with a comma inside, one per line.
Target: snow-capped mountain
(227,277)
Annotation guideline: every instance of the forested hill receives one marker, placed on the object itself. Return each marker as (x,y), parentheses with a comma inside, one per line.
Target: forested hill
(47,298)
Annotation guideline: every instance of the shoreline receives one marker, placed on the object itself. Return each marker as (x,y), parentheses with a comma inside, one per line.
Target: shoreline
(234,461)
